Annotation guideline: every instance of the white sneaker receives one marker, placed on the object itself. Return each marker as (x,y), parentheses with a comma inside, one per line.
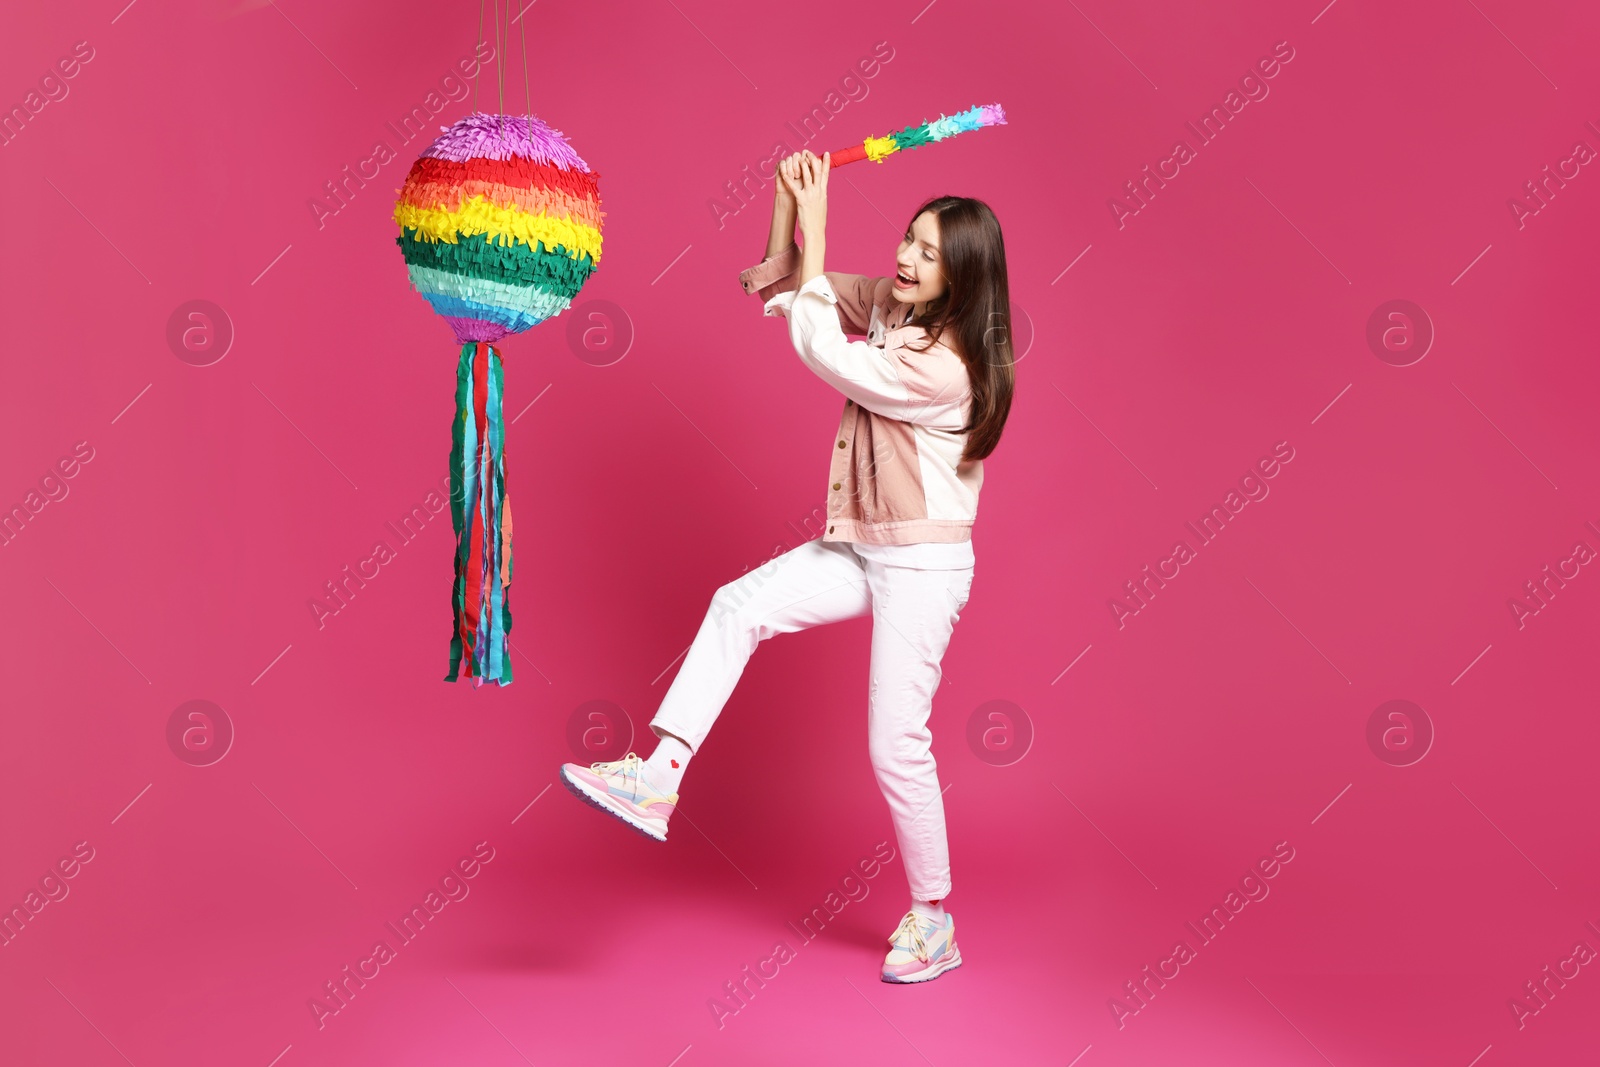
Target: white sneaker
(922,949)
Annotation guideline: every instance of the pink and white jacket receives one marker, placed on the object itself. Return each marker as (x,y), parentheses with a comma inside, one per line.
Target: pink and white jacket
(896,476)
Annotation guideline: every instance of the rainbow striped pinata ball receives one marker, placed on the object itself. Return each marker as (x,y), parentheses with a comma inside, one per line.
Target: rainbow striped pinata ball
(499,225)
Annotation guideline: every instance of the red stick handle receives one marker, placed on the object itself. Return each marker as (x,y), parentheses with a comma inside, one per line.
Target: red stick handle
(848,155)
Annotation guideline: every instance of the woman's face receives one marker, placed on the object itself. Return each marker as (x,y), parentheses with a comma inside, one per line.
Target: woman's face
(920,277)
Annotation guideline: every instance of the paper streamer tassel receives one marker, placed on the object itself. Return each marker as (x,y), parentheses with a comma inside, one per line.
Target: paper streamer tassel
(480,511)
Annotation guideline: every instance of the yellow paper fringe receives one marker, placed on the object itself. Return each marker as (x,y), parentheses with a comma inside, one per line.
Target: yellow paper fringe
(500,225)
(552,202)
(878,147)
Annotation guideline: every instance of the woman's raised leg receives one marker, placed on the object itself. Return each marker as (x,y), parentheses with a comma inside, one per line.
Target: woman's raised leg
(816,583)
(812,585)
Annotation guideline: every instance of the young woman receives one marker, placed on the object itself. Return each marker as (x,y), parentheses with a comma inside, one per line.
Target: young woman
(926,396)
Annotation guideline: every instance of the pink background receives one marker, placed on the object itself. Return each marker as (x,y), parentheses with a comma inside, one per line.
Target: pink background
(1228,715)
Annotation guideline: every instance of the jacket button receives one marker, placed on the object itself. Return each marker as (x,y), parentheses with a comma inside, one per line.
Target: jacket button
(841,444)
(836,485)
(830,529)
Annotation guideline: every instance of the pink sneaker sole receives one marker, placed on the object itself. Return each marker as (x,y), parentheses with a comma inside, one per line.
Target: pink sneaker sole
(621,810)
(934,968)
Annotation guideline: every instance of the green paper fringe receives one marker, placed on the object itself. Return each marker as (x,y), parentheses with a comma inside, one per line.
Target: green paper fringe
(557,271)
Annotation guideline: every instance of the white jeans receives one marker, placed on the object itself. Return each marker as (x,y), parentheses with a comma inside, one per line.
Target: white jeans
(915,602)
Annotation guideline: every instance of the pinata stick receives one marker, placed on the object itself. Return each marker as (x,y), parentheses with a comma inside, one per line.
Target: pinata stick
(877,148)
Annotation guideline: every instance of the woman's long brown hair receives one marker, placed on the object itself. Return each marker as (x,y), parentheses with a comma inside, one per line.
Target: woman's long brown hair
(975,312)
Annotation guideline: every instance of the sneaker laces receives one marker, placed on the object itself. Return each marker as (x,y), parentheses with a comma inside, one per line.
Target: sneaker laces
(911,929)
(626,767)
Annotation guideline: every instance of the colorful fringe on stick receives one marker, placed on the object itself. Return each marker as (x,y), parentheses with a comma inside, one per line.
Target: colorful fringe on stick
(499,228)
(879,148)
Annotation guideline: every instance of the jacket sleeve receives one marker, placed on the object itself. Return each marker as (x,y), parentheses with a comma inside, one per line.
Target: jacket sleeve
(863,372)
(781,274)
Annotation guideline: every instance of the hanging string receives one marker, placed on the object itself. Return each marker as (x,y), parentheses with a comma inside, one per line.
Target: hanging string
(500,55)
(522,25)
(478,77)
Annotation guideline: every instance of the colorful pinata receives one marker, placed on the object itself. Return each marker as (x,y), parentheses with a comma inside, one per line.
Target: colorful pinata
(499,227)
(532,206)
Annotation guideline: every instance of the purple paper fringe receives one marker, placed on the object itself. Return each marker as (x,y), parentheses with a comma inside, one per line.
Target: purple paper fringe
(468,330)
(484,136)
(993,114)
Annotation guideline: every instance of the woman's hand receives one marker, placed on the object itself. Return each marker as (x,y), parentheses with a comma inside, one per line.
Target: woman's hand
(783,213)
(807,179)
(806,176)
(782,196)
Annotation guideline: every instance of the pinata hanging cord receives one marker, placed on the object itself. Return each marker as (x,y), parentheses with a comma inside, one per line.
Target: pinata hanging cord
(522,31)
(499,54)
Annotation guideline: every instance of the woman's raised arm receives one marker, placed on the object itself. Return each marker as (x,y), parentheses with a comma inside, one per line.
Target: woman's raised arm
(783,211)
